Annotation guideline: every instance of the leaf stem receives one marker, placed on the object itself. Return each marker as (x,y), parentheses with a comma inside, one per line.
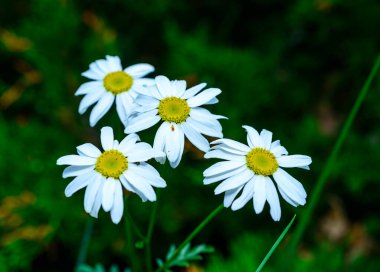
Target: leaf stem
(306,215)
(278,241)
(215,212)
(152,221)
(86,238)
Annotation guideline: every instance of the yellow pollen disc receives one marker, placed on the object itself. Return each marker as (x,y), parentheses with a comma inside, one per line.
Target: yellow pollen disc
(173,109)
(117,82)
(111,163)
(261,161)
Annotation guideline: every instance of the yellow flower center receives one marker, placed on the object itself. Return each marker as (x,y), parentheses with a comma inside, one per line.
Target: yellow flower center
(261,161)
(111,163)
(173,109)
(117,82)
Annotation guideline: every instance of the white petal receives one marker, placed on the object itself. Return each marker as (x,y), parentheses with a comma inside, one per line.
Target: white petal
(114,63)
(126,184)
(128,142)
(205,119)
(253,137)
(91,191)
(230,195)
(72,171)
(149,91)
(178,87)
(245,196)
(290,186)
(101,108)
(287,198)
(233,144)
(193,91)
(142,188)
(98,199)
(204,129)
(294,161)
(104,66)
(278,150)
(142,121)
(91,74)
(212,101)
(234,182)
(204,114)
(266,138)
(274,202)
(160,140)
(164,86)
(219,154)
(78,183)
(145,172)
(76,160)
(222,167)
(106,138)
(147,101)
(89,150)
(90,99)
(260,195)
(144,82)
(118,205)
(175,141)
(108,194)
(195,137)
(142,152)
(120,109)
(128,102)
(215,178)
(139,70)
(89,87)
(203,97)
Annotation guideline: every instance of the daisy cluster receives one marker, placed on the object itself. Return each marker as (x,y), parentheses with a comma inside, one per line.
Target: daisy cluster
(252,171)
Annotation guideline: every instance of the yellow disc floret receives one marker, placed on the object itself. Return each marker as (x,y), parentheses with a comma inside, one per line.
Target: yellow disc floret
(261,161)
(111,163)
(173,109)
(117,82)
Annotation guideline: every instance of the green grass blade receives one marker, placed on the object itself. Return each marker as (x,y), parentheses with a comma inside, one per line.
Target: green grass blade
(275,245)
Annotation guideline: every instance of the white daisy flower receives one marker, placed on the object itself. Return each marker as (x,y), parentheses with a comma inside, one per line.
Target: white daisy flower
(180,111)
(104,173)
(110,83)
(249,168)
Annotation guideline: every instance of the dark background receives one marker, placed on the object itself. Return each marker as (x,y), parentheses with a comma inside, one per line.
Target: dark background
(292,67)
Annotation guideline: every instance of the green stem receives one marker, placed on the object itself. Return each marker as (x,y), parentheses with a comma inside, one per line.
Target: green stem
(278,241)
(134,226)
(191,236)
(129,237)
(152,221)
(305,216)
(86,238)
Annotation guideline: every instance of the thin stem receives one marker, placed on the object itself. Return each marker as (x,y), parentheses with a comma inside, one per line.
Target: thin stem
(305,216)
(134,226)
(275,245)
(86,238)
(152,221)
(191,236)
(129,237)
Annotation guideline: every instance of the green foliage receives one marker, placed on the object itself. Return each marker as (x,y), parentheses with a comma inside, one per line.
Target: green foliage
(184,257)
(99,268)
(293,67)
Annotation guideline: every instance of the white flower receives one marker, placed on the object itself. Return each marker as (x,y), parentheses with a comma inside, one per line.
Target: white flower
(248,168)
(112,82)
(170,102)
(104,173)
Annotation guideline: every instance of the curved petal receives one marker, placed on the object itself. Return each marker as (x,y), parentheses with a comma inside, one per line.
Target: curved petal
(128,142)
(253,137)
(101,108)
(204,129)
(108,194)
(195,137)
(106,138)
(216,178)
(294,161)
(118,205)
(160,140)
(139,70)
(223,155)
(90,99)
(89,87)
(142,188)
(91,191)
(274,202)
(222,167)
(98,199)
(148,173)
(142,152)
(76,160)
(290,186)
(266,138)
(234,182)
(178,87)
(234,145)
(193,91)
(245,196)
(114,63)
(230,195)
(203,97)
(142,121)
(78,183)
(260,195)
(72,171)
(164,86)
(89,150)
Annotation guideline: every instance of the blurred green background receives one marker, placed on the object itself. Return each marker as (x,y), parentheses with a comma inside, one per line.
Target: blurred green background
(292,67)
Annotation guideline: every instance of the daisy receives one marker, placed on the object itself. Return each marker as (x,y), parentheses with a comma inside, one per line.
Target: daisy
(252,168)
(180,111)
(104,173)
(110,83)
